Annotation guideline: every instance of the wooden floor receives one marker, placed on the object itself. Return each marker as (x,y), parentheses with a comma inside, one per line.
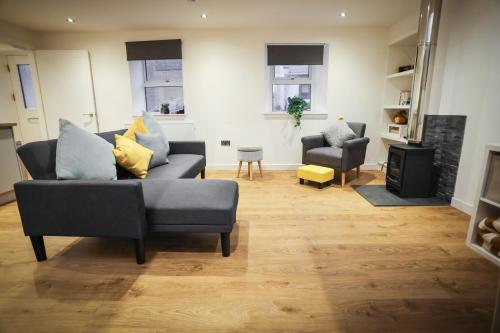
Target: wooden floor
(304,260)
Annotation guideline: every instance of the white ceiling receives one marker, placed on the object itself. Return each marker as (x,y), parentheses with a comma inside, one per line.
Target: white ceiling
(101,15)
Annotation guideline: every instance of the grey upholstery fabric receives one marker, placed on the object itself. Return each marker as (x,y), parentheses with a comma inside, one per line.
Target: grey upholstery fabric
(155,127)
(331,156)
(179,166)
(338,133)
(82,208)
(156,143)
(191,202)
(83,155)
(315,150)
(187,147)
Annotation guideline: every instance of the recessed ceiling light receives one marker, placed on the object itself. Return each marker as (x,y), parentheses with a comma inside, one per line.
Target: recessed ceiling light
(343,14)
(203,16)
(70,20)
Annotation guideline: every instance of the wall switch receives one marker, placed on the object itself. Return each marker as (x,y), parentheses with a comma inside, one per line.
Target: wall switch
(225,142)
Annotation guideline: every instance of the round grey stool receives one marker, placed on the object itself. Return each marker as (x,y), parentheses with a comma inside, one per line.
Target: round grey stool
(250,155)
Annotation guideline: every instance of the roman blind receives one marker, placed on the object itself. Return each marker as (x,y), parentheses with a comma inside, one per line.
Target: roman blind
(294,55)
(154,49)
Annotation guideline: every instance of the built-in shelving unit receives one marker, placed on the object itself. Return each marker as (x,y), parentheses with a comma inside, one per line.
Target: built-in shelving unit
(401,52)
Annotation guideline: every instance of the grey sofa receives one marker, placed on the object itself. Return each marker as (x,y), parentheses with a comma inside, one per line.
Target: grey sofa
(164,201)
(315,150)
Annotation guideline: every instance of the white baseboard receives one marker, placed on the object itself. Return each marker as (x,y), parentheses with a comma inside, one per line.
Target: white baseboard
(462,205)
(276,166)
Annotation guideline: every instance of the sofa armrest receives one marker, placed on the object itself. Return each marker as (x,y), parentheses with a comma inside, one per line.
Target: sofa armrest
(82,208)
(353,153)
(187,147)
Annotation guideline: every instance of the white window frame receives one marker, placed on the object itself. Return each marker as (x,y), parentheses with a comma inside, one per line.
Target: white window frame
(139,87)
(318,79)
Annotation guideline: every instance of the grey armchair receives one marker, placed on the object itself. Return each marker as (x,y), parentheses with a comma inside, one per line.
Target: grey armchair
(315,150)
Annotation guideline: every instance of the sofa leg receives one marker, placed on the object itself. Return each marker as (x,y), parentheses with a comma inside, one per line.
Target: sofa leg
(140,255)
(225,240)
(203,174)
(358,171)
(342,179)
(301,180)
(38,247)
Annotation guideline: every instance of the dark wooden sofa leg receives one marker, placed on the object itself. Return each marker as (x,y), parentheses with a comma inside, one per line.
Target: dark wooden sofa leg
(203,174)
(38,247)
(225,240)
(140,255)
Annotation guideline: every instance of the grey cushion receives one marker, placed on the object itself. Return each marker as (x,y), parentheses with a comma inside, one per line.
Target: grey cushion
(190,202)
(331,156)
(155,127)
(156,143)
(179,166)
(339,132)
(83,155)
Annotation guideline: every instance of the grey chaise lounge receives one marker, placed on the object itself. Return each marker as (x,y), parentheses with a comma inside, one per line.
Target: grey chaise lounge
(315,150)
(127,207)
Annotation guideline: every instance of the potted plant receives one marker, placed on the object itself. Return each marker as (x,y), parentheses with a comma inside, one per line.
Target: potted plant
(296,107)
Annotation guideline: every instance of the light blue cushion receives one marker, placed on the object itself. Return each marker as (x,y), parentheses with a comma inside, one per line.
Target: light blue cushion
(83,155)
(156,143)
(155,127)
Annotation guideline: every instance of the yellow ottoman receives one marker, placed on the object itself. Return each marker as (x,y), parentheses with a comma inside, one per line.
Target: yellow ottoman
(315,173)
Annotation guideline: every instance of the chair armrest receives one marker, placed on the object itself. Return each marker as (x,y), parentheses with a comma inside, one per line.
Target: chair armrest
(358,143)
(353,153)
(187,147)
(82,208)
(310,142)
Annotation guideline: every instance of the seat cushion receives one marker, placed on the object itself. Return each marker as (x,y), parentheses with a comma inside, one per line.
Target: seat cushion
(179,166)
(190,202)
(330,156)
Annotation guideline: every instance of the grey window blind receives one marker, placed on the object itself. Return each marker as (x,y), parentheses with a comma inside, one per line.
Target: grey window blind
(154,49)
(294,55)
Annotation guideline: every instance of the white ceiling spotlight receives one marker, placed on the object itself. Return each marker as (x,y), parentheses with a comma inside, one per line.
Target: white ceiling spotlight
(203,16)
(343,14)
(70,20)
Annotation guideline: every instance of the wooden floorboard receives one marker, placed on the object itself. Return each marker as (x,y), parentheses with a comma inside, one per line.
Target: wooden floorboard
(303,260)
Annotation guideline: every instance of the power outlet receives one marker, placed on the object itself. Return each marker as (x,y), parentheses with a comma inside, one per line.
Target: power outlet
(225,143)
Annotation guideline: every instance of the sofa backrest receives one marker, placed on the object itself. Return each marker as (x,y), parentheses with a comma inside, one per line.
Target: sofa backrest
(358,128)
(39,157)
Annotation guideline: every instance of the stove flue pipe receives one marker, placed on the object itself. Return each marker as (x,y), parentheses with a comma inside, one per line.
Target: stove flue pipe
(428,26)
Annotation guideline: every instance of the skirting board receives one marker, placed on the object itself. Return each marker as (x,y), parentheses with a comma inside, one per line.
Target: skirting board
(461,205)
(7,197)
(276,166)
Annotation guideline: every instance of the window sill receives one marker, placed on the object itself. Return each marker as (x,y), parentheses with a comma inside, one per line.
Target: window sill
(174,116)
(308,115)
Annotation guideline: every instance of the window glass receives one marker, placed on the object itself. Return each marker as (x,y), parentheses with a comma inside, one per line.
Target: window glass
(281,92)
(164,70)
(27,87)
(291,71)
(164,100)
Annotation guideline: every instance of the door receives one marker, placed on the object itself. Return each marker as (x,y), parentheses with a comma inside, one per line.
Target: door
(67,89)
(27,98)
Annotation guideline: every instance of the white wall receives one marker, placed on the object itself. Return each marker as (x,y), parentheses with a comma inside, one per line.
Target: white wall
(466,81)
(224,84)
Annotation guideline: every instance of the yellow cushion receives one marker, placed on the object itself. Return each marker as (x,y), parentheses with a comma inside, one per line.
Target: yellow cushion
(132,156)
(315,173)
(137,127)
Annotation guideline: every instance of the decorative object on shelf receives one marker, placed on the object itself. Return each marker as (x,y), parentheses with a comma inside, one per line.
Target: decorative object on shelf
(400,118)
(296,107)
(488,234)
(396,129)
(492,186)
(165,108)
(404,97)
(405,68)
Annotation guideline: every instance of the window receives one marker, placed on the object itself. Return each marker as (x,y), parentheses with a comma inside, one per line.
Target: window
(26,80)
(156,76)
(306,79)
(157,86)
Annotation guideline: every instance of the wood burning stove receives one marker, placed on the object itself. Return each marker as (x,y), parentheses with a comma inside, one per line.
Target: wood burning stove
(409,171)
